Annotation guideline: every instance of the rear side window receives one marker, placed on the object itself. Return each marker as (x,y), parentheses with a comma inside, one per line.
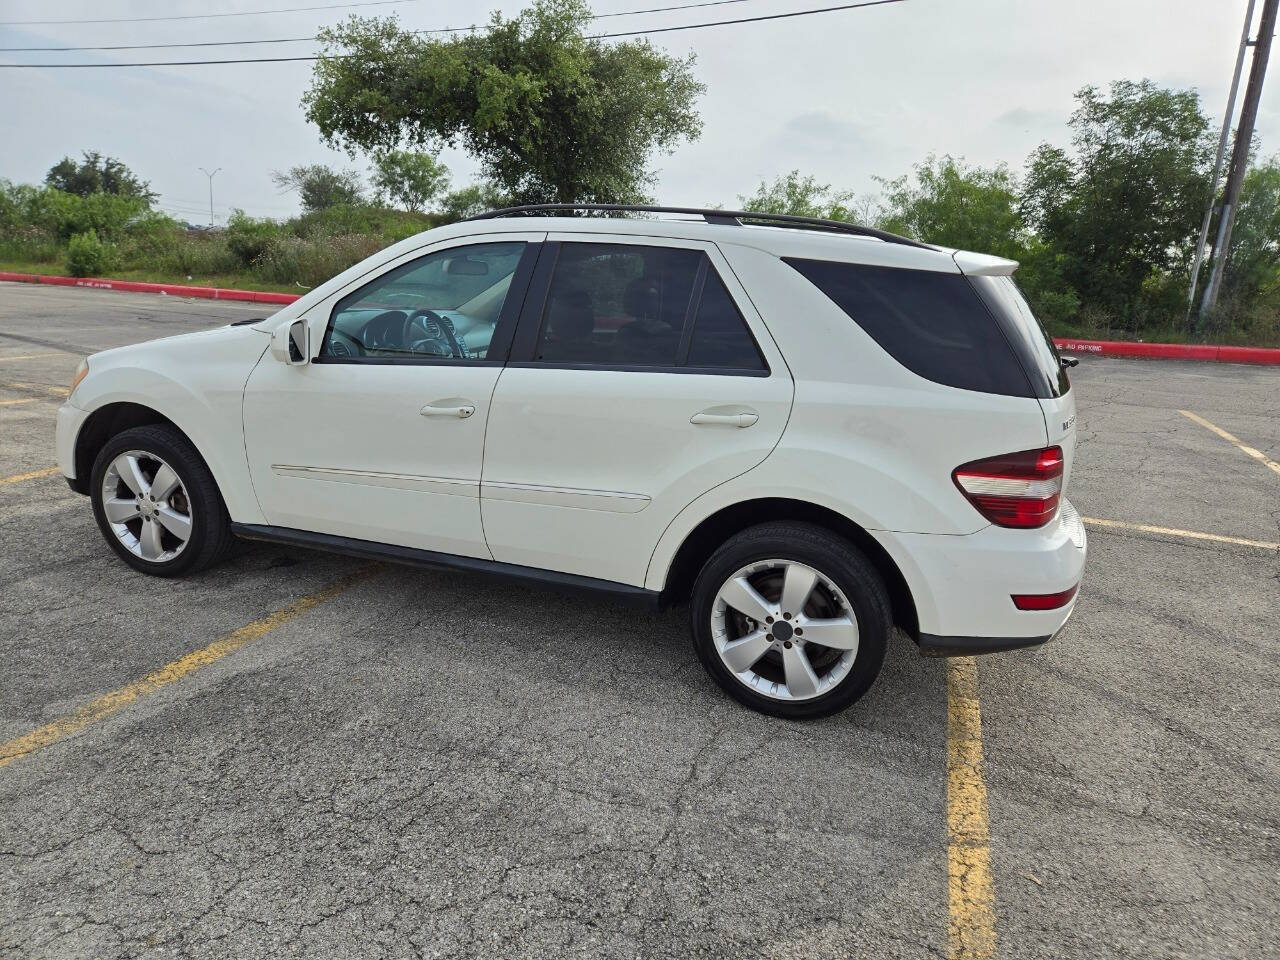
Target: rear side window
(634,306)
(934,324)
(617,305)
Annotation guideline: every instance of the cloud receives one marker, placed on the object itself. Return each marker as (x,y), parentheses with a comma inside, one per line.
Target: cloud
(1023,118)
(820,131)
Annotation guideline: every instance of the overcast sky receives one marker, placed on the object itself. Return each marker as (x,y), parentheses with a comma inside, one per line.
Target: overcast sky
(845,96)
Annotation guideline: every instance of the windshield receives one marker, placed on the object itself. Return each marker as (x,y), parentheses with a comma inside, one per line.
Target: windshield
(1026,334)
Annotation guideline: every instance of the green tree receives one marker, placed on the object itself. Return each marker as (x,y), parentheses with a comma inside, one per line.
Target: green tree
(472,199)
(97,174)
(1124,204)
(320,187)
(550,114)
(1253,269)
(799,196)
(947,202)
(409,179)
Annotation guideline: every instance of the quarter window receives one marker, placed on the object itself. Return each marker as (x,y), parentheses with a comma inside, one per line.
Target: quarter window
(934,324)
(444,306)
(633,305)
(720,335)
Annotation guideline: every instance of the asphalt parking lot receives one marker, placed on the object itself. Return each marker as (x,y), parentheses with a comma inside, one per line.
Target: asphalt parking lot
(384,762)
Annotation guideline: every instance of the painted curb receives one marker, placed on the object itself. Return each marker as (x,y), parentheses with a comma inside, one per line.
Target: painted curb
(1172,351)
(1210,353)
(169,289)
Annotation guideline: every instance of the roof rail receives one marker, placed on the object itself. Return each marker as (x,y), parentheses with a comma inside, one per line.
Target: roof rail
(730,217)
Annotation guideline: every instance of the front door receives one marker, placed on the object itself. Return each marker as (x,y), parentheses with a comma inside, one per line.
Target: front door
(381,436)
(640,378)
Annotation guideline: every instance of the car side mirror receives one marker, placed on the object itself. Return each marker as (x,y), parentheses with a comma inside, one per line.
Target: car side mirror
(296,348)
(1069,361)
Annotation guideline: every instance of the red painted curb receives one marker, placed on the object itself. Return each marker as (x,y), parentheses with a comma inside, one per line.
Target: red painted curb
(169,289)
(1172,351)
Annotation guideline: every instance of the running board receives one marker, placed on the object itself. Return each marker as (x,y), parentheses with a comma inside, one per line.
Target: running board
(430,559)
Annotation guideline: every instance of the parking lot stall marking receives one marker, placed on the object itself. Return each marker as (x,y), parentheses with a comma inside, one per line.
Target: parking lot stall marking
(1175,532)
(33,475)
(115,701)
(56,391)
(971,928)
(28,356)
(1243,447)
(14,403)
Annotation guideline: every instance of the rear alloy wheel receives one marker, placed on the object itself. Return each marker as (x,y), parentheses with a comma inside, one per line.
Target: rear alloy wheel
(156,502)
(791,620)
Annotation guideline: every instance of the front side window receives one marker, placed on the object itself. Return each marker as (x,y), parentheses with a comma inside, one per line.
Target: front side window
(632,305)
(443,306)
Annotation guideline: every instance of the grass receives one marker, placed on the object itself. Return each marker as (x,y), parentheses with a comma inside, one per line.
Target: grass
(233,281)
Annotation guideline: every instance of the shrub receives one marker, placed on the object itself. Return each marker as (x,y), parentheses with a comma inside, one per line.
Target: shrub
(250,240)
(29,244)
(198,253)
(313,260)
(87,256)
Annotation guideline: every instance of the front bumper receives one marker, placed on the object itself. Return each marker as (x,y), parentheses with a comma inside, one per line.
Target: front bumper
(70,420)
(963,585)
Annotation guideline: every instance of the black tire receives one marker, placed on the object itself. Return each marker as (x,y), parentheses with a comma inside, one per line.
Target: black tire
(835,559)
(211,535)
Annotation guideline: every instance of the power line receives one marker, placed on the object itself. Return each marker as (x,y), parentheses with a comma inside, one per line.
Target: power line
(206,16)
(598,36)
(239,43)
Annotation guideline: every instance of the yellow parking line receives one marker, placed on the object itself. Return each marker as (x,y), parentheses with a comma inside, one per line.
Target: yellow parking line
(1175,532)
(33,475)
(971,930)
(56,391)
(111,703)
(14,403)
(1244,448)
(29,356)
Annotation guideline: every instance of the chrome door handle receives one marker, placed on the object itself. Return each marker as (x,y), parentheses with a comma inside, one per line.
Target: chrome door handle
(459,410)
(745,419)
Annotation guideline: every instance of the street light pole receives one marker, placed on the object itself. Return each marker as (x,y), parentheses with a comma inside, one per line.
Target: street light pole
(210,176)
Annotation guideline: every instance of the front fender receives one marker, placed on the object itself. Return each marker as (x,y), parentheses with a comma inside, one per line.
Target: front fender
(199,386)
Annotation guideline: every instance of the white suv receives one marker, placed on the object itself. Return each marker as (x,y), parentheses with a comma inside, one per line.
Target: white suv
(810,431)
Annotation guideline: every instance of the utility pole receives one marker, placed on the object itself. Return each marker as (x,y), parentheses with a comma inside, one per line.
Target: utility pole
(211,176)
(1217,163)
(1240,155)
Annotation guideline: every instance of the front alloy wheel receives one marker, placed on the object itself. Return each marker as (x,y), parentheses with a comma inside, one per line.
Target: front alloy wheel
(156,502)
(147,506)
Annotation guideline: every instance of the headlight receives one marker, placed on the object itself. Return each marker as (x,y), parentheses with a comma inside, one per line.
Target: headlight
(82,371)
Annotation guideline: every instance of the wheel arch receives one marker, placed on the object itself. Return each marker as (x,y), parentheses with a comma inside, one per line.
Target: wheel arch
(114,418)
(715,529)
(103,424)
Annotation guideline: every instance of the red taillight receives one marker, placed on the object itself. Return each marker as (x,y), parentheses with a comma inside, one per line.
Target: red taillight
(1016,489)
(1044,601)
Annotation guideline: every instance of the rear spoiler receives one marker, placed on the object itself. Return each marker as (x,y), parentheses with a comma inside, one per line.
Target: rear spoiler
(983,265)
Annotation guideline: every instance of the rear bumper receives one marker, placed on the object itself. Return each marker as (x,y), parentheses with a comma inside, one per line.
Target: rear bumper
(963,586)
(935,646)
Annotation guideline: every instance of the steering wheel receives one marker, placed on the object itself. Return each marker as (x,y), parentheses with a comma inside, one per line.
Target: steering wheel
(442,334)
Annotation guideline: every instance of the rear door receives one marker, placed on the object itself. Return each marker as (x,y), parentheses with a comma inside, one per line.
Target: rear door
(640,378)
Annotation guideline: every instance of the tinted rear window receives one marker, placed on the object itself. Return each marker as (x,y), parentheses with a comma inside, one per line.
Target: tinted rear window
(1029,338)
(934,324)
